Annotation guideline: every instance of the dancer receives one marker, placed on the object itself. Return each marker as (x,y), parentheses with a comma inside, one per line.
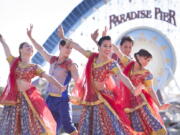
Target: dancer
(143,109)
(62,68)
(122,56)
(97,92)
(25,111)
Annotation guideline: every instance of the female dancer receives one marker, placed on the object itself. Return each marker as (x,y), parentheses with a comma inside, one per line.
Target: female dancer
(122,56)
(62,68)
(97,93)
(25,111)
(143,109)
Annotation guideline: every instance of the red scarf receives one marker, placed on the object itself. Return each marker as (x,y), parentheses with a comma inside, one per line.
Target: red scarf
(84,87)
(9,95)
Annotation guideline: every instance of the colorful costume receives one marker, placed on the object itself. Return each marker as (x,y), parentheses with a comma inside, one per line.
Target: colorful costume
(24,112)
(141,109)
(99,114)
(59,105)
(123,61)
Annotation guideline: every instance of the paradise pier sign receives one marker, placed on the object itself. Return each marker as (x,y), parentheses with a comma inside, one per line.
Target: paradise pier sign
(169,16)
(150,36)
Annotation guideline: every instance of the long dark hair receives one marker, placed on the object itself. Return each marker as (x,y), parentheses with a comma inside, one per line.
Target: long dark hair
(143,53)
(62,43)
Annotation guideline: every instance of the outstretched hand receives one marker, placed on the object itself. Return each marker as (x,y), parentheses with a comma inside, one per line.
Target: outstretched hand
(60,32)
(29,31)
(95,35)
(104,33)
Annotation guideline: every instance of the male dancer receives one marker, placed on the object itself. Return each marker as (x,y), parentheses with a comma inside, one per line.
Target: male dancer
(62,68)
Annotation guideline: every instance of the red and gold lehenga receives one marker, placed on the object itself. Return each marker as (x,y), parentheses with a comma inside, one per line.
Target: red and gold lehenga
(24,112)
(99,114)
(142,110)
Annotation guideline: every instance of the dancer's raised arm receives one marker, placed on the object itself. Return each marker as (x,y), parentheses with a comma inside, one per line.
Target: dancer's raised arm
(120,76)
(72,43)
(95,34)
(40,49)
(5,46)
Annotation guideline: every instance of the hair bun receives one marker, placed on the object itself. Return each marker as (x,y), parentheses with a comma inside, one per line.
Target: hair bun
(62,42)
